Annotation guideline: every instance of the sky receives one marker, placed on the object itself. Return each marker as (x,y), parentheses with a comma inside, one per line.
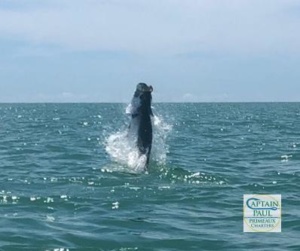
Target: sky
(189,51)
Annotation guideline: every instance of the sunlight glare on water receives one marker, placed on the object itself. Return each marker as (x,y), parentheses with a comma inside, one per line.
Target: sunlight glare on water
(70,178)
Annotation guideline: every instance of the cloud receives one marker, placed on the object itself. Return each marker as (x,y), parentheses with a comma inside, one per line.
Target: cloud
(195,50)
(43,97)
(189,97)
(160,27)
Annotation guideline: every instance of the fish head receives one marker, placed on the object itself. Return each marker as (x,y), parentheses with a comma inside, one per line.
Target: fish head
(142,98)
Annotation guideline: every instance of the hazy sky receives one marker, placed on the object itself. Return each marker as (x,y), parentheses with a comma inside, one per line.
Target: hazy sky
(192,50)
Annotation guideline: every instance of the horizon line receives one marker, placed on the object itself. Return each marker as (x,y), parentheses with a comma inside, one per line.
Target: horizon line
(160,102)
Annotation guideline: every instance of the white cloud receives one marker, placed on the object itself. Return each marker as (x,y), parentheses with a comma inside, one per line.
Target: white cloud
(189,97)
(157,26)
(195,50)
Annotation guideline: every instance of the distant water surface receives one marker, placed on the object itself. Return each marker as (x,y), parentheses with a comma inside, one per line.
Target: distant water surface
(68,181)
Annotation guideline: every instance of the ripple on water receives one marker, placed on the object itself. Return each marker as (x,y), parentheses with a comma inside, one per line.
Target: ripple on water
(60,189)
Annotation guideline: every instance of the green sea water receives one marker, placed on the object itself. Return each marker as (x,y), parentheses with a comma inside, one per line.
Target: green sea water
(68,182)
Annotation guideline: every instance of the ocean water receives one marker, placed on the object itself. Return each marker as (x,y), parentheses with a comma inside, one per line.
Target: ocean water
(69,179)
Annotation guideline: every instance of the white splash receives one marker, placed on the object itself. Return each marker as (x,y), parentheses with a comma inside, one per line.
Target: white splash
(115,205)
(285,157)
(122,148)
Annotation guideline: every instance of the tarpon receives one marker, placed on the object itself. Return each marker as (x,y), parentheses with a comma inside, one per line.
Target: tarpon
(140,128)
